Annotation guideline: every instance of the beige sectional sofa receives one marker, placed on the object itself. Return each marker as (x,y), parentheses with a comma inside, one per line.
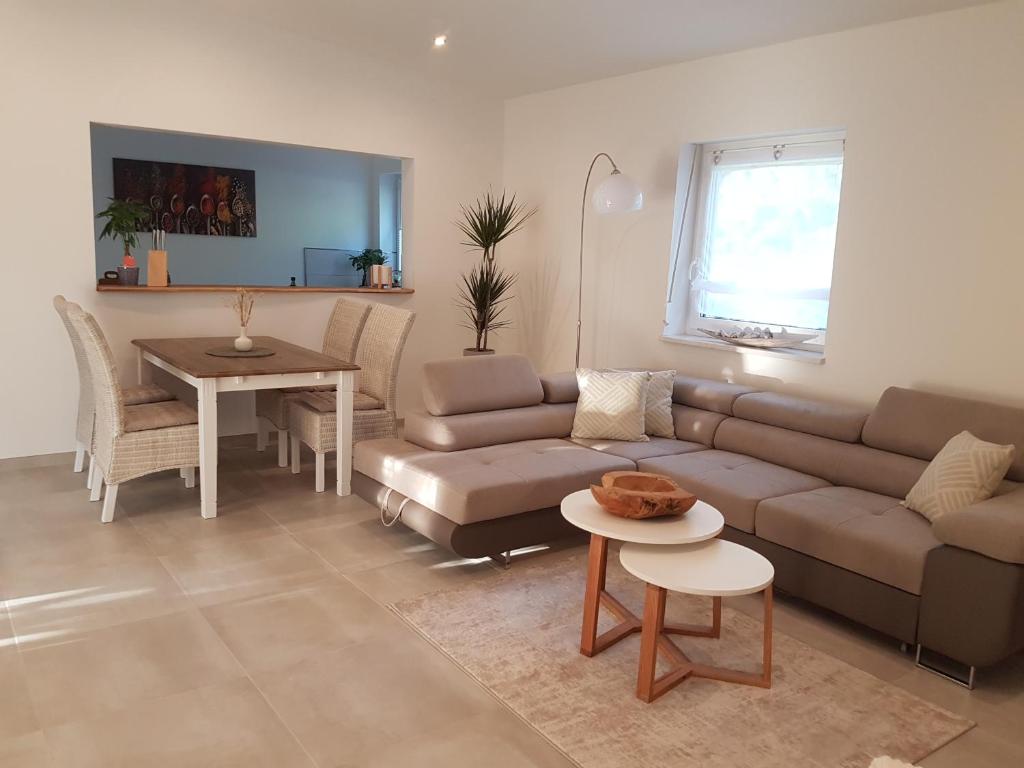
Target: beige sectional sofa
(813,486)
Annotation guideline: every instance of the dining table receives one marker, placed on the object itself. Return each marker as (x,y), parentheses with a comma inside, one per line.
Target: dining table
(197,361)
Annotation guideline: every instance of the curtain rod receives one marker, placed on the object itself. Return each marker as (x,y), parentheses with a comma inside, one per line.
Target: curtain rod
(778,146)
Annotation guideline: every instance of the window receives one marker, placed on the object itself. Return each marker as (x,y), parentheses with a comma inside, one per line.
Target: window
(763,235)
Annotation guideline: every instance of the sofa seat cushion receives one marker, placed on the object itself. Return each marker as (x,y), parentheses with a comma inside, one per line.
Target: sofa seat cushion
(656,446)
(863,532)
(731,482)
(485,483)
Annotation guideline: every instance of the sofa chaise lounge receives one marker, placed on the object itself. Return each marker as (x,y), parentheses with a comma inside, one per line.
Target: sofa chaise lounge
(815,487)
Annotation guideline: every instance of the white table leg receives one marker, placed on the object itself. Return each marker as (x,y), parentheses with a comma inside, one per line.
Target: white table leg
(208,447)
(140,372)
(344,439)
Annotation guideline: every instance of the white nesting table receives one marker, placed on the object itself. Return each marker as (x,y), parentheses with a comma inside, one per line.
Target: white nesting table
(289,366)
(700,523)
(711,568)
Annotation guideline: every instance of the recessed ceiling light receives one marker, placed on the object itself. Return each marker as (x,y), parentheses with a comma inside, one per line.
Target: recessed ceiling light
(440,41)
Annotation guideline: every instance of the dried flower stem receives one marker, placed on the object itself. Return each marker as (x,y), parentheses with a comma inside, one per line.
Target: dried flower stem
(243,305)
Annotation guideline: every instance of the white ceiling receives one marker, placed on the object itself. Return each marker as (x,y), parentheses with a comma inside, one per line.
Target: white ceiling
(521,46)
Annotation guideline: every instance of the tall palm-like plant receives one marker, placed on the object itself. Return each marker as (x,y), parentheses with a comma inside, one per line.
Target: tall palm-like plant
(483,295)
(486,290)
(490,220)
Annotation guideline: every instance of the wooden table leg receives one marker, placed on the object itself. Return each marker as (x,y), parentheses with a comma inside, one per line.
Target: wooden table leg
(597,562)
(654,621)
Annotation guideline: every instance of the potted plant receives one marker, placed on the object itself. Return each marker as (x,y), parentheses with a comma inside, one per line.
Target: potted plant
(485,291)
(124,219)
(368,258)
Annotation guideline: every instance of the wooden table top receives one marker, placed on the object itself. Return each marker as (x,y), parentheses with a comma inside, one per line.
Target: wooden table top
(190,356)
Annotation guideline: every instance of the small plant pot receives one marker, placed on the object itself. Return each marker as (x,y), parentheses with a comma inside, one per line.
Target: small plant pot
(473,352)
(243,343)
(128,275)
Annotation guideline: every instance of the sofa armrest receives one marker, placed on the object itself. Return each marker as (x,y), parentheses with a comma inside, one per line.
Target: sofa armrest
(994,527)
(560,387)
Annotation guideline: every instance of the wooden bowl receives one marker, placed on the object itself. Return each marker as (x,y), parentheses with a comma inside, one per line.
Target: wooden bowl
(640,495)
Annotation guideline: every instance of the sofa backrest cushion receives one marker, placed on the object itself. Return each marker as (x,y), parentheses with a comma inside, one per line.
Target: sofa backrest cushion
(560,387)
(706,394)
(696,425)
(838,462)
(814,417)
(460,432)
(919,424)
(482,383)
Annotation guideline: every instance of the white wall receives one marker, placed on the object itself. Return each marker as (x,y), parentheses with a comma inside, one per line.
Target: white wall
(64,64)
(929,268)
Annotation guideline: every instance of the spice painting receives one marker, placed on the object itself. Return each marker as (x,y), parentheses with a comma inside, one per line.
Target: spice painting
(190,199)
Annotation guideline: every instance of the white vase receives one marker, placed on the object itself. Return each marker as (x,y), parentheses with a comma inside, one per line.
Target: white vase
(243,343)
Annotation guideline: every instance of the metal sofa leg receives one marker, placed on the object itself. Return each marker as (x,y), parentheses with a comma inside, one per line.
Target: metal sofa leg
(947,673)
(504,559)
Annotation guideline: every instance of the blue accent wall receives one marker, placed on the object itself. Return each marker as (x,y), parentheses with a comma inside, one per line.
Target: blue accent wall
(305,198)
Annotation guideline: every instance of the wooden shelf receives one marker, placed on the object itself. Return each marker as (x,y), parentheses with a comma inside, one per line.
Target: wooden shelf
(233,288)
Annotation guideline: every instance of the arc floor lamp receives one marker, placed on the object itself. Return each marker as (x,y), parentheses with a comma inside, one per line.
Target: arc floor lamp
(617,193)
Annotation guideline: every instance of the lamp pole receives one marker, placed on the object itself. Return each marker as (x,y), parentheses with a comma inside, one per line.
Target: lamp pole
(583,220)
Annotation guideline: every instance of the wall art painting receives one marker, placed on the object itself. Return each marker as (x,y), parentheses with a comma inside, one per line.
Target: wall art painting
(190,199)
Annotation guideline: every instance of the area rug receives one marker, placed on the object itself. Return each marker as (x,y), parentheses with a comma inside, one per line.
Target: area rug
(519,636)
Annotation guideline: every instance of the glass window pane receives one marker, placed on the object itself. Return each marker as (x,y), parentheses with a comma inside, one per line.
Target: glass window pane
(770,242)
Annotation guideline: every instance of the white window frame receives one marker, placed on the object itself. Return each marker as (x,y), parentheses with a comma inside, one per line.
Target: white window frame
(689,259)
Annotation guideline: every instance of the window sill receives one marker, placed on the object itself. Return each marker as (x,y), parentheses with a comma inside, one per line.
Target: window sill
(811,356)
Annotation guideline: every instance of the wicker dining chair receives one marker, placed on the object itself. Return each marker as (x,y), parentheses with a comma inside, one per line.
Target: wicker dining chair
(313,417)
(130,441)
(147,393)
(340,340)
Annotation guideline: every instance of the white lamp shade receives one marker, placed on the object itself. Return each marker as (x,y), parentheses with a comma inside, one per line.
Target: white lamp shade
(618,194)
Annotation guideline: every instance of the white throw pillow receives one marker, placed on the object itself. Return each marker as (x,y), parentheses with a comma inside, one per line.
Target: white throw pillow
(611,405)
(967,470)
(658,410)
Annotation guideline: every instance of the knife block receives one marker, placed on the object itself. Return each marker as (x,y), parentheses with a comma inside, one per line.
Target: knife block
(156,269)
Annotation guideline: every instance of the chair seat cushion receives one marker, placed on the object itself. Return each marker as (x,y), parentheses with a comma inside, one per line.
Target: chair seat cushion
(485,483)
(863,532)
(656,446)
(731,482)
(145,393)
(326,402)
(318,388)
(138,418)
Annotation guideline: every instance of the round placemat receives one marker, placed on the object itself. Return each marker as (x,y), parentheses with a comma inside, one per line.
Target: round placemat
(232,352)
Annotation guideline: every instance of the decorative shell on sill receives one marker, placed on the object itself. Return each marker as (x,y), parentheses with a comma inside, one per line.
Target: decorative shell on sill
(764,338)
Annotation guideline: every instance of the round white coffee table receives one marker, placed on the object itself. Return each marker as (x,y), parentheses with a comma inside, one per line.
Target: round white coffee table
(716,568)
(700,523)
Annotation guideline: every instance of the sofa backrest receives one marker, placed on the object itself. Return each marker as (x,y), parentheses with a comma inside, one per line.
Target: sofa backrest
(919,424)
(707,395)
(482,383)
(814,417)
(560,387)
(462,431)
(838,462)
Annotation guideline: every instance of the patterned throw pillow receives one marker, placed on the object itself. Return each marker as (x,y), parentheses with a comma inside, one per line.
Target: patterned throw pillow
(611,405)
(967,470)
(658,411)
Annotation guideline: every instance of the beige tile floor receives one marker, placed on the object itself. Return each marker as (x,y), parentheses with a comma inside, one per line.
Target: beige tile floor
(262,638)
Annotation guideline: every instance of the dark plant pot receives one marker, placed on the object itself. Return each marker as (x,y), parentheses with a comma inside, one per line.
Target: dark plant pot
(474,352)
(128,275)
